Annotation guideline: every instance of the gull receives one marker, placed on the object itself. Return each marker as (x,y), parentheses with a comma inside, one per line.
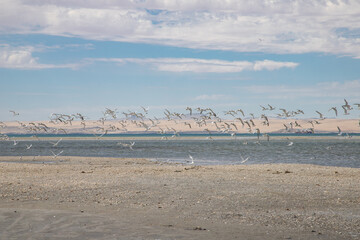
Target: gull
(340,132)
(271,107)
(290,143)
(146,110)
(61,129)
(56,155)
(300,111)
(106,131)
(206,129)
(258,132)
(297,124)
(127,145)
(186,123)
(152,122)
(55,144)
(191,158)
(190,110)
(243,160)
(211,111)
(345,110)
(241,111)
(14,113)
(162,131)
(15,143)
(252,123)
(335,110)
(320,114)
(264,108)
(28,146)
(242,122)
(346,105)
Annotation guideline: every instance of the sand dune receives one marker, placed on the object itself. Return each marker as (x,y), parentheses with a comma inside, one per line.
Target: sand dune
(114,126)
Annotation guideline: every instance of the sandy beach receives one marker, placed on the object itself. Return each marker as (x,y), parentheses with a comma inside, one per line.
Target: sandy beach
(111,198)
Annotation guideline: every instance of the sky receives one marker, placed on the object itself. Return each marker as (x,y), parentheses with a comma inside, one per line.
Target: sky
(70,56)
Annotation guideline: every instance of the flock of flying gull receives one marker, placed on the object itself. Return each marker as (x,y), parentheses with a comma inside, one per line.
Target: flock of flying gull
(196,119)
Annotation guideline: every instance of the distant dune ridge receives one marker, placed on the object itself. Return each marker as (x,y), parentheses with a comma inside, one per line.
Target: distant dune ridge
(199,120)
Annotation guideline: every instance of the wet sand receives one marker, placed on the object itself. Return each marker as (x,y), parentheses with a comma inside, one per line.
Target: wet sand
(110,198)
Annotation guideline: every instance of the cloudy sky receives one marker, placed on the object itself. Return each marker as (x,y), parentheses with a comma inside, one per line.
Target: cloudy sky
(82,56)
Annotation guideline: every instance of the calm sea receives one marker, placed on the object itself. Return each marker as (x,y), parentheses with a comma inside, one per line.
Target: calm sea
(334,151)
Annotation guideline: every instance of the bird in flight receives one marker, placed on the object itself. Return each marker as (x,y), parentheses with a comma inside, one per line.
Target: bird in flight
(55,144)
(335,110)
(56,155)
(339,131)
(320,114)
(14,113)
(243,160)
(191,161)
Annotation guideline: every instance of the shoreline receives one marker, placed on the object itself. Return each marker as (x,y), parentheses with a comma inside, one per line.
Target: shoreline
(182,137)
(141,199)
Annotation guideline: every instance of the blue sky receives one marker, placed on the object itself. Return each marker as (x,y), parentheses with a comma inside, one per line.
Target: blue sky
(82,56)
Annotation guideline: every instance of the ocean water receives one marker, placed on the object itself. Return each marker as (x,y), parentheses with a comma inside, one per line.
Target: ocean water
(344,152)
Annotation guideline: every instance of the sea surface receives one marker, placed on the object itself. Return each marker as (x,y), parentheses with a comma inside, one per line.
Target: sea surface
(321,150)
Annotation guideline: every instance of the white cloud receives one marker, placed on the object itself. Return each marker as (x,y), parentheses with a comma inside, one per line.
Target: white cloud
(21,58)
(320,90)
(282,26)
(201,65)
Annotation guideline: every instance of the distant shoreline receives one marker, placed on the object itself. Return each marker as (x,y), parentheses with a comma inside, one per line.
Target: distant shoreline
(181,136)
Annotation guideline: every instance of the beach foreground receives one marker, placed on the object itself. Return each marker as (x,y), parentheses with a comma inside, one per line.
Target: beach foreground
(111,198)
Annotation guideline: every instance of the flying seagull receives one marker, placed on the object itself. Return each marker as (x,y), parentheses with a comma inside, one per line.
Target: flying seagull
(192,160)
(14,113)
(243,160)
(335,110)
(56,155)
